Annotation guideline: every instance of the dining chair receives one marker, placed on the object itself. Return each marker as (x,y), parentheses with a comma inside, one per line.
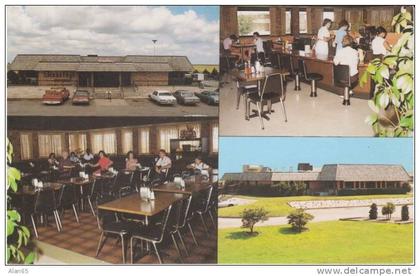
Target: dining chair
(272,89)
(152,233)
(205,209)
(68,198)
(122,183)
(311,77)
(45,204)
(243,90)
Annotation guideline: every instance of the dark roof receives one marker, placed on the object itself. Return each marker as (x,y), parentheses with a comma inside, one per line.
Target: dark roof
(363,172)
(130,63)
(330,172)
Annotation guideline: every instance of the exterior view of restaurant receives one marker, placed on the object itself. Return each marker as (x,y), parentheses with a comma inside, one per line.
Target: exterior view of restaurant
(98,71)
(118,189)
(331,179)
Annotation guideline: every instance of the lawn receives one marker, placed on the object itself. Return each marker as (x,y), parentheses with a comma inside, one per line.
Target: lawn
(277,206)
(201,67)
(333,242)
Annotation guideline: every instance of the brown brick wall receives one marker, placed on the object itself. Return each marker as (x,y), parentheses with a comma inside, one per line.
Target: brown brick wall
(58,78)
(149,78)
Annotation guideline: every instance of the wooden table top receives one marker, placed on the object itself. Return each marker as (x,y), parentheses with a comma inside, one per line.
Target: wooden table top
(248,45)
(76,181)
(260,76)
(106,175)
(133,204)
(31,190)
(190,187)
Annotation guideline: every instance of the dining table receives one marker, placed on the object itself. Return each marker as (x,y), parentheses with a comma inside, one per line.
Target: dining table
(80,182)
(242,47)
(191,186)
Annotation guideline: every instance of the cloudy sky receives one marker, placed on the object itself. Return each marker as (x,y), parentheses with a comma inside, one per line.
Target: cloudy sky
(185,30)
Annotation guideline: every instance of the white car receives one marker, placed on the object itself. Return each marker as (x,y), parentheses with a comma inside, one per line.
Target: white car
(163,97)
(229,202)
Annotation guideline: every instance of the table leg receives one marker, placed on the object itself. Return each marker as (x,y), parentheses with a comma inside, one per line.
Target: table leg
(82,207)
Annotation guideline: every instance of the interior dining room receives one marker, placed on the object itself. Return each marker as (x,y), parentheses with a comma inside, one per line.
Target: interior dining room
(117,190)
(308,70)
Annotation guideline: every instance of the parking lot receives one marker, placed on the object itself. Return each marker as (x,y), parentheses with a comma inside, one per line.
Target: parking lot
(26,101)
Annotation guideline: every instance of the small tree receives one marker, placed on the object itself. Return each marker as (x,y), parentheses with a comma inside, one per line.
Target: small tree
(404,213)
(251,216)
(298,219)
(373,212)
(388,210)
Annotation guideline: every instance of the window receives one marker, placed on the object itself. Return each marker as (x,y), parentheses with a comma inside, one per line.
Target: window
(288,22)
(215,138)
(165,136)
(253,20)
(26,146)
(49,143)
(144,143)
(303,23)
(105,141)
(127,140)
(328,14)
(77,142)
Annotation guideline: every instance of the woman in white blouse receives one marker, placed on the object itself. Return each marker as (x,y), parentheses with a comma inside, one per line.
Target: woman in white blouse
(321,46)
(379,45)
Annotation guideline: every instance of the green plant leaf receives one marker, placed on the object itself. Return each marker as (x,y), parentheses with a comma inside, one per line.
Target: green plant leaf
(372,106)
(30,258)
(371,119)
(384,100)
(384,71)
(10,227)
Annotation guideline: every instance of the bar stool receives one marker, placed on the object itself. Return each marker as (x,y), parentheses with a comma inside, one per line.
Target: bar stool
(342,79)
(286,63)
(312,77)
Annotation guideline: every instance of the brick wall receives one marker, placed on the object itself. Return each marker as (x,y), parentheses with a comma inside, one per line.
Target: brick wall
(58,78)
(149,78)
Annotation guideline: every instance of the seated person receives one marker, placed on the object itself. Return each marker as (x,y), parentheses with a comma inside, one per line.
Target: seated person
(163,164)
(227,43)
(131,163)
(104,163)
(52,161)
(74,158)
(348,56)
(65,165)
(379,44)
(88,156)
(259,47)
(199,166)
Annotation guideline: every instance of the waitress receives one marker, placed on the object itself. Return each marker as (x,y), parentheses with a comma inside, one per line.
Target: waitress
(321,46)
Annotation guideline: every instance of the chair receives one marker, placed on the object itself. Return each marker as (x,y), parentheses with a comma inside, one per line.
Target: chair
(122,183)
(342,79)
(286,63)
(244,90)
(68,197)
(45,203)
(109,224)
(152,233)
(272,89)
(205,208)
(183,212)
(96,191)
(311,77)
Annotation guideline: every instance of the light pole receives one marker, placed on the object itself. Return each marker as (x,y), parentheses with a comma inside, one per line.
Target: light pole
(154,46)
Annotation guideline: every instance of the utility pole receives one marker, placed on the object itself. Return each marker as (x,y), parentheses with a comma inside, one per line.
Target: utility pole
(154,46)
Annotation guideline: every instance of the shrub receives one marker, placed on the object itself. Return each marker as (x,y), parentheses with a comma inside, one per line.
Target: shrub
(373,212)
(251,216)
(404,213)
(388,210)
(373,191)
(298,219)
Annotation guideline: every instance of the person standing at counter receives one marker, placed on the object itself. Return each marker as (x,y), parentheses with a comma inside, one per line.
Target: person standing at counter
(343,28)
(228,42)
(348,56)
(379,45)
(259,46)
(323,37)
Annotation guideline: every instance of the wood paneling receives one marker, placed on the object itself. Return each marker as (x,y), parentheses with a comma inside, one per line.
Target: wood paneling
(150,78)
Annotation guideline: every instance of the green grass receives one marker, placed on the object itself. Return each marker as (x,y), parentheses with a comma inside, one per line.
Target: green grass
(277,206)
(333,242)
(201,67)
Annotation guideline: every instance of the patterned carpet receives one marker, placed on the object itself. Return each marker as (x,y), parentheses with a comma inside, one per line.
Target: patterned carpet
(83,238)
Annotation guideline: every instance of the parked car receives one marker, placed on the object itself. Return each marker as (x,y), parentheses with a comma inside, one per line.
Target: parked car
(209,97)
(228,202)
(55,95)
(81,97)
(163,97)
(186,97)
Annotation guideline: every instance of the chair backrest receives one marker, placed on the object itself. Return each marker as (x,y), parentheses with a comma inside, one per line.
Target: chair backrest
(67,196)
(286,62)
(164,224)
(185,212)
(45,201)
(342,75)
(273,83)
(122,179)
(208,197)
(268,47)
(302,68)
(104,217)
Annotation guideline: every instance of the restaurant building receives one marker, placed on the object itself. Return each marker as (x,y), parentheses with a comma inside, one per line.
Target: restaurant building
(331,179)
(98,71)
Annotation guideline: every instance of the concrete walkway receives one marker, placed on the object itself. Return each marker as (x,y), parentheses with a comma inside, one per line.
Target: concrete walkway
(319,214)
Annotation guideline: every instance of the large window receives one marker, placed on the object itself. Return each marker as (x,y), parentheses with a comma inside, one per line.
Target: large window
(288,21)
(127,140)
(215,138)
(104,140)
(26,146)
(252,20)
(77,142)
(303,22)
(144,140)
(50,143)
(328,14)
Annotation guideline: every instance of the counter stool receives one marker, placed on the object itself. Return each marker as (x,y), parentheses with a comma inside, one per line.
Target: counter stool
(342,79)
(312,77)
